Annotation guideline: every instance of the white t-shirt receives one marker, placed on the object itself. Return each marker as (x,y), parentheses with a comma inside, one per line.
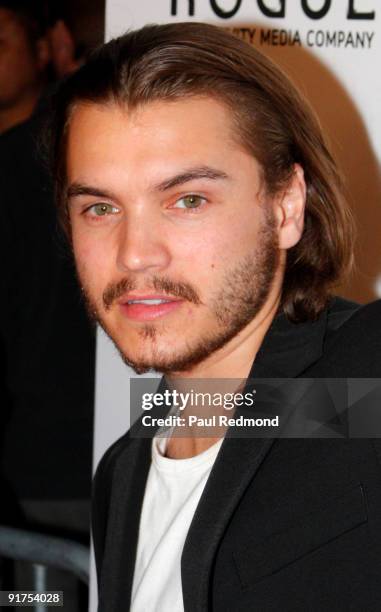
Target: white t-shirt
(173,490)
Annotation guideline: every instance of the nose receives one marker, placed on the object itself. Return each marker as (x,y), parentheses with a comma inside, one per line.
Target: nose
(141,247)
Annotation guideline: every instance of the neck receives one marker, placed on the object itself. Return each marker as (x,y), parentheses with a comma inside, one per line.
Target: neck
(233,362)
(185,448)
(9,117)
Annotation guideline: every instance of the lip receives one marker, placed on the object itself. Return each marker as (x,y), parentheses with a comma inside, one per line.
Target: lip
(145,296)
(146,312)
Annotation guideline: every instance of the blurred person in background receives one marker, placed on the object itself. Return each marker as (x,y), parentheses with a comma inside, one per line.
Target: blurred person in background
(24,59)
(41,41)
(47,346)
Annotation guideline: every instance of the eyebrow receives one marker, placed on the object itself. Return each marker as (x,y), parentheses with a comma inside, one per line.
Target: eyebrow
(78,189)
(200,172)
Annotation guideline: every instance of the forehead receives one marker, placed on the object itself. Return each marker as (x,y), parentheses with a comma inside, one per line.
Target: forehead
(189,116)
(155,134)
(9,21)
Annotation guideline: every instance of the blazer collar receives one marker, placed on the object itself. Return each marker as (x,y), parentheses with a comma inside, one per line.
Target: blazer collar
(288,349)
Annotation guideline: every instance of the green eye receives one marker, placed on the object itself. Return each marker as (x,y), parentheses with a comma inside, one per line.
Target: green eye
(100,210)
(190,201)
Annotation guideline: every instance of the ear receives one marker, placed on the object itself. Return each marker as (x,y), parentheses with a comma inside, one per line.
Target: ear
(43,53)
(62,46)
(289,210)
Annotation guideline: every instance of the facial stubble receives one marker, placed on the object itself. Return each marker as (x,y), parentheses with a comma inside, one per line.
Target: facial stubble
(244,291)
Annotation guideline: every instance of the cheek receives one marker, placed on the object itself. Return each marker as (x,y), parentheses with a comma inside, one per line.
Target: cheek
(201,261)
(208,253)
(11,77)
(21,66)
(198,253)
(92,261)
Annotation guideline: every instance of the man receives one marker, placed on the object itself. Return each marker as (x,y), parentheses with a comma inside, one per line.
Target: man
(36,47)
(24,59)
(47,345)
(208,225)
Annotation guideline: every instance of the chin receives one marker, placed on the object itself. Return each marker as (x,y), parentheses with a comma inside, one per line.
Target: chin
(152,360)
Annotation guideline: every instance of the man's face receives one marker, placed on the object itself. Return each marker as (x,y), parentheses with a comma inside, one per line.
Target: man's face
(174,246)
(20,66)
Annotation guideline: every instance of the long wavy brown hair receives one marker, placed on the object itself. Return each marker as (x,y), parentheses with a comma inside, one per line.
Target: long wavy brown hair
(273,121)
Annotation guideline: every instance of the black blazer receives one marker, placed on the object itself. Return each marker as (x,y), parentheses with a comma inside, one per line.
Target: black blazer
(283,525)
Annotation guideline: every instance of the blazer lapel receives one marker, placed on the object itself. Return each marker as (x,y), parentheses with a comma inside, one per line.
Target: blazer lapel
(287,351)
(224,489)
(127,494)
(117,573)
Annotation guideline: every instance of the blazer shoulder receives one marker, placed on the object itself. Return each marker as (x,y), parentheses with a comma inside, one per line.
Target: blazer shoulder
(103,477)
(340,310)
(354,346)
(101,495)
(110,457)
(351,317)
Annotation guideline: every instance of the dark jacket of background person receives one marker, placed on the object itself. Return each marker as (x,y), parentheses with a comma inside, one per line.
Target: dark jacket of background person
(282,524)
(47,344)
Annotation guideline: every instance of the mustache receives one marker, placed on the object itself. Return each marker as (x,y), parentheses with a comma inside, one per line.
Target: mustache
(184,291)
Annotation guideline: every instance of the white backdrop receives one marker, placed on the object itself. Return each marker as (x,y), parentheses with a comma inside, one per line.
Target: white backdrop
(332,50)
